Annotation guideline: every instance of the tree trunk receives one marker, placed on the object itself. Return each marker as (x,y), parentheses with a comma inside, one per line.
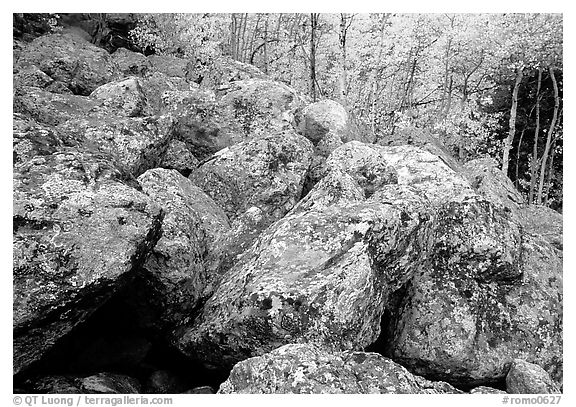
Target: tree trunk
(518,156)
(512,123)
(550,172)
(342,80)
(313,28)
(549,138)
(535,146)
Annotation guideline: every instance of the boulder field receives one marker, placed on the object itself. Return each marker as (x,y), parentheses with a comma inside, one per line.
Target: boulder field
(178,232)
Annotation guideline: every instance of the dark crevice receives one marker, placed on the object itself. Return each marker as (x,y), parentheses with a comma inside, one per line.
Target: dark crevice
(124,336)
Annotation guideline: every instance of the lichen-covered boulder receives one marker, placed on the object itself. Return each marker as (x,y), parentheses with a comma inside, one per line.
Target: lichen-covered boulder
(544,222)
(224,70)
(529,378)
(318,119)
(304,368)
(489,181)
(208,122)
(191,224)
(266,172)
(156,84)
(52,108)
(70,59)
(136,143)
(125,97)
(486,294)
(171,66)
(260,106)
(179,157)
(79,232)
(131,63)
(31,76)
(308,278)
(422,138)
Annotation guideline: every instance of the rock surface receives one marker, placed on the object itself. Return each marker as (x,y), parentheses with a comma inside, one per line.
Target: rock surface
(67,58)
(308,369)
(528,378)
(174,218)
(191,224)
(78,233)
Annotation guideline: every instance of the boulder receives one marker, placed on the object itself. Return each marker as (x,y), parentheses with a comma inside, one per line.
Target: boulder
(79,233)
(423,139)
(51,108)
(164,382)
(304,368)
(68,58)
(109,383)
(529,378)
(191,224)
(171,66)
(319,119)
(125,97)
(156,84)
(265,172)
(489,181)
(208,122)
(486,294)
(31,76)
(542,221)
(260,106)
(179,158)
(136,143)
(131,63)
(224,70)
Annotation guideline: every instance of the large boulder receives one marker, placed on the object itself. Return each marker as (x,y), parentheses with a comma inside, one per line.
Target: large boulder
(319,119)
(490,182)
(191,225)
(51,108)
(208,122)
(157,87)
(528,378)
(486,294)
(542,221)
(304,368)
(171,66)
(131,63)
(70,59)
(79,234)
(136,143)
(266,172)
(125,97)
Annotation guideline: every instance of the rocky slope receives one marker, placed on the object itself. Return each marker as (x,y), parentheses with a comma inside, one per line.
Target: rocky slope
(182,231)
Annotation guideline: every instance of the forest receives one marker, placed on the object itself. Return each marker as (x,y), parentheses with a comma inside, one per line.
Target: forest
(484,84)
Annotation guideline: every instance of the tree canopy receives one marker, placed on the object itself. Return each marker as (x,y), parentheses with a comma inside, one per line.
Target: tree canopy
(485,84)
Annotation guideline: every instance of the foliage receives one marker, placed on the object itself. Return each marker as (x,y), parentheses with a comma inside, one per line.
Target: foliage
(451,73)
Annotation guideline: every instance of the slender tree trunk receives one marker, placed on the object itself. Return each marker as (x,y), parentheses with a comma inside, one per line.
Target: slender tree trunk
(535,145)
(266,44)
(518,156)
(550,172)
(512,123)
(313,28)
(550,132)
(342,80)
